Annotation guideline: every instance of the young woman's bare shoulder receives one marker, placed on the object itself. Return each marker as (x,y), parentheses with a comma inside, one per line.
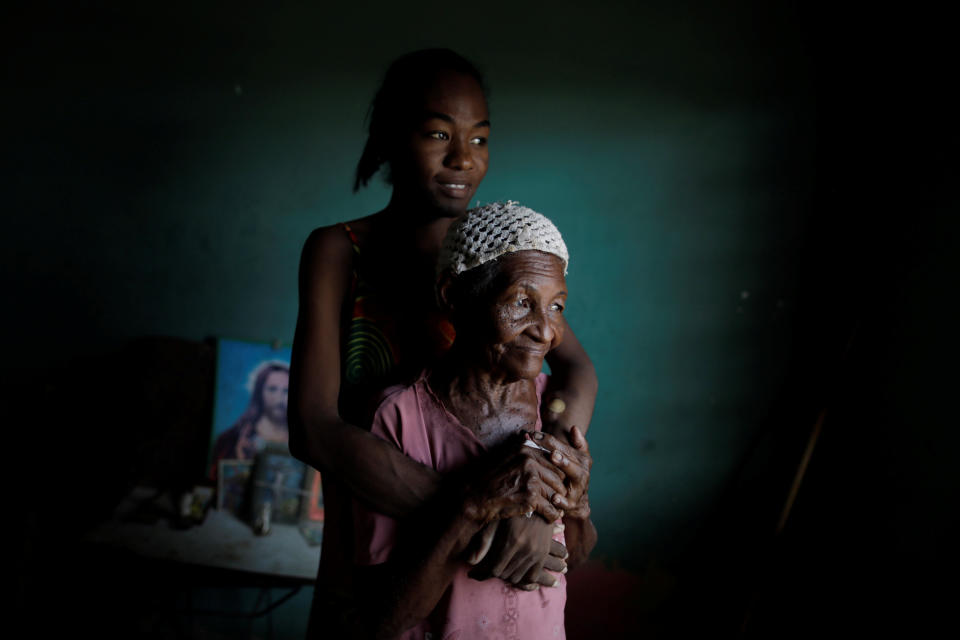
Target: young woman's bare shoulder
(330,249)
(332,237)
(327,253)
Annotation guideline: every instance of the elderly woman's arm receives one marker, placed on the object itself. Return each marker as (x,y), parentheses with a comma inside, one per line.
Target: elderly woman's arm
(524,549)
(402,592)
(503,484)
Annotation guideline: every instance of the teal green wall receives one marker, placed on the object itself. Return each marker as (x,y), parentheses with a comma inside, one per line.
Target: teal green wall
(180,158)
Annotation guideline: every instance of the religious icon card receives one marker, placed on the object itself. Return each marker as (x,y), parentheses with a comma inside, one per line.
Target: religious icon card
(250,400)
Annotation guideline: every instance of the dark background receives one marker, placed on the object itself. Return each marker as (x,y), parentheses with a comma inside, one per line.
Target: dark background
(760,203)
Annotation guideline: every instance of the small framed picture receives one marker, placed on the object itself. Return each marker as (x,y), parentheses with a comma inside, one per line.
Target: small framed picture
(233,483)
(277,485)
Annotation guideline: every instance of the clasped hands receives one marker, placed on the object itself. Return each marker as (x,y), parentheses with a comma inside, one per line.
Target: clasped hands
(534,473)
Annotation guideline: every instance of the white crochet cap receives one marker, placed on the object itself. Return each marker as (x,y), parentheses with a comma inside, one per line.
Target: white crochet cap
(488,232)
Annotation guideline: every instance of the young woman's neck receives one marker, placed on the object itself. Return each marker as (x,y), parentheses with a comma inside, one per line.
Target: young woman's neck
(414,224)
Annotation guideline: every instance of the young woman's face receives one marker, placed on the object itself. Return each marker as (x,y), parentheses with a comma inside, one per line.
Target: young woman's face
(525,316)
(444,159)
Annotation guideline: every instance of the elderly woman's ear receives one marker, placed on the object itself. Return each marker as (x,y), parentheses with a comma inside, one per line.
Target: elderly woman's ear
(445,292)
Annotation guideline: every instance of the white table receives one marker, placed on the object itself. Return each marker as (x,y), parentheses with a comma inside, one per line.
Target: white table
(222,541)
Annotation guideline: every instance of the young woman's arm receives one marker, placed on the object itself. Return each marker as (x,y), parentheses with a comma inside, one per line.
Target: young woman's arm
(573,381)
(376,472)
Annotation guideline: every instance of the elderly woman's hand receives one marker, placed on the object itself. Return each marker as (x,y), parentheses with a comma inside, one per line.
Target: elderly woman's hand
(520,551)
(513,480)
(575,463)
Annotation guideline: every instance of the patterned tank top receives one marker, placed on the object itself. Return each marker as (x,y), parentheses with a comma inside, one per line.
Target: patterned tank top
(371,348)
(370,358)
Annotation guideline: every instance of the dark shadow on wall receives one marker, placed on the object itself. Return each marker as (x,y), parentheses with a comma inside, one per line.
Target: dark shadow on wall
(94,142)
(873,517)
(100,425)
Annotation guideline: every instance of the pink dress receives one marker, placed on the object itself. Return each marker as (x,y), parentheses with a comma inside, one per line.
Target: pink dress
(416,421)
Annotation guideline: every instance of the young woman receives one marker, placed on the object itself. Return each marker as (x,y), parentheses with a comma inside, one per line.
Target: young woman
(503,286)
(368,318)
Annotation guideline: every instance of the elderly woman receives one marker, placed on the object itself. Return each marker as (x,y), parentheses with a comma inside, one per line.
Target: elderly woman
(474,418)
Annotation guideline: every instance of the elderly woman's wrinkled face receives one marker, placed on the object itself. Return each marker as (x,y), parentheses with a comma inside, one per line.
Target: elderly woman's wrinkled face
(523,318)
